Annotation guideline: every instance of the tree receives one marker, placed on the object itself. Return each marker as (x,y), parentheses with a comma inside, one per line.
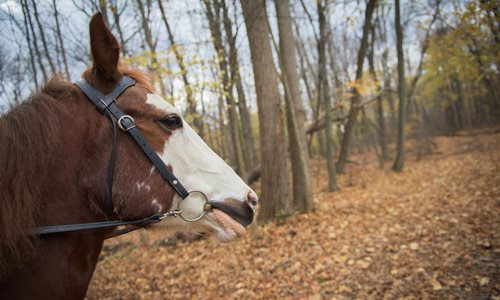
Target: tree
(275,193)
(400,143)
(324,96)
(356,98)
(148,36)
(42,36)
(455,86)
(30,31)
(116,12)
(27,35)
(302,193)
(197,122)
(250,154)
(386,73)
(380,106)
(423,51)
(213,17)
(60,39)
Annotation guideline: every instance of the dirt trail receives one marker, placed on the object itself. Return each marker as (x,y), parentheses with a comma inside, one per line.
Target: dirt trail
(432,231)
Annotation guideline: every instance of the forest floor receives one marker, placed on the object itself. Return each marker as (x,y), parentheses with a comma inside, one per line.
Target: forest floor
(431,232)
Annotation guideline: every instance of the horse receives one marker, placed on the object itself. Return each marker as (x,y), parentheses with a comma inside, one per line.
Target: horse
(57,170)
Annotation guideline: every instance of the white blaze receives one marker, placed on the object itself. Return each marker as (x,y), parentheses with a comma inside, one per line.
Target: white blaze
(198,167)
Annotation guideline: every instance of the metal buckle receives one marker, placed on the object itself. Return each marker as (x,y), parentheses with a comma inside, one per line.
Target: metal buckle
(121,125)
(206,208)
(170,213)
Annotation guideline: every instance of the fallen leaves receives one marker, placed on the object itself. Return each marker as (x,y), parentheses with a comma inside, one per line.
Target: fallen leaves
(414,246)
(484,281)
(436,285)
(429,232)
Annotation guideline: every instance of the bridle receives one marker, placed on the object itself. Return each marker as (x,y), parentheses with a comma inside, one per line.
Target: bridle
(106,105)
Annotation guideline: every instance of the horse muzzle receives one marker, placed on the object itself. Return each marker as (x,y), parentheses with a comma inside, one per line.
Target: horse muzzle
(242,212)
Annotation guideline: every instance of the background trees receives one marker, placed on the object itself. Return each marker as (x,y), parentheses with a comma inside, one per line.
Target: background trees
(275,188)
(242,70)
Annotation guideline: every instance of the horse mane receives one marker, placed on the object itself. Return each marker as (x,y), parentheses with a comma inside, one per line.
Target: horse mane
(29,135)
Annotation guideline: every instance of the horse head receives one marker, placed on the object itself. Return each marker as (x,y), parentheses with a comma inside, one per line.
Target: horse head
(138,189)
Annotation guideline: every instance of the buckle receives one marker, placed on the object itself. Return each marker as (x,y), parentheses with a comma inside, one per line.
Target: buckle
(124,127)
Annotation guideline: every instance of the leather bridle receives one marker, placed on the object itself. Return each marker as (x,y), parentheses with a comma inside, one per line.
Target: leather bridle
(106,105)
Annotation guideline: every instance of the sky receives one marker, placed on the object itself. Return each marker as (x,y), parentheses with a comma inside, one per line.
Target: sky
(191,31)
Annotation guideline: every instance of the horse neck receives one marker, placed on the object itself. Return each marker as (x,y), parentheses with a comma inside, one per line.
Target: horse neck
(63,262)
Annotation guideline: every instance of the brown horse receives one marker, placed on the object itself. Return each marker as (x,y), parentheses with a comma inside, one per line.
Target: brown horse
(54,155)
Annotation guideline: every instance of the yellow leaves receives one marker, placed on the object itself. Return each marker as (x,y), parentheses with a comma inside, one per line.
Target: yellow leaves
(364,263)
(340,259)
(344,289)
(414,246)
(483,281)
(435,284)
(454,54)
(331,232)
(189,118)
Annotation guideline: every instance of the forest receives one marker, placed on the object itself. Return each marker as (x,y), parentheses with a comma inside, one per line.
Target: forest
(369,129)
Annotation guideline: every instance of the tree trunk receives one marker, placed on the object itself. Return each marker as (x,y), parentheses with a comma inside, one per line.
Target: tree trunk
(400,143)
(222,128)
(104,11)
(155,65)
(116,18)
(380,105)
(28,41)
(38,56)
(227,86)
(306,69)
(197,122)
(344,149)
(324,97)
(425,46)
(44,40)
(388,92)
(275,183)
(60,40)
(387,76)
(302,193)
(305,79)
(250,152)
(337,91)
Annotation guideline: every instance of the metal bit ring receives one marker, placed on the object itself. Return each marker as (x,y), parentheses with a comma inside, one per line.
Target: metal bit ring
(206,207)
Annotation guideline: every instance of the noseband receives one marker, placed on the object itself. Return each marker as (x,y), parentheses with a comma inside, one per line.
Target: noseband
(106,105)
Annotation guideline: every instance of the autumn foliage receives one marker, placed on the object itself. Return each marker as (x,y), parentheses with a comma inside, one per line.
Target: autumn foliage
(430,232)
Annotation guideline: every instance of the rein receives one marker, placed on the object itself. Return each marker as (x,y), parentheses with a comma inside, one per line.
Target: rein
(106,105)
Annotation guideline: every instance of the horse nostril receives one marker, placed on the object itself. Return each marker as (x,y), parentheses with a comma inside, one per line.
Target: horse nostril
(252,199)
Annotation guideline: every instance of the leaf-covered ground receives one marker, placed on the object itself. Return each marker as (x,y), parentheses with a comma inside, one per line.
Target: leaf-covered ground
(432,231)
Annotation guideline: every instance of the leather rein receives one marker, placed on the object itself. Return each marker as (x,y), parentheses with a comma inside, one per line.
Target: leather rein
(106,105)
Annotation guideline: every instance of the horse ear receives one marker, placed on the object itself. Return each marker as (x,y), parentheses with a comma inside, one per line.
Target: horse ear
(105,49)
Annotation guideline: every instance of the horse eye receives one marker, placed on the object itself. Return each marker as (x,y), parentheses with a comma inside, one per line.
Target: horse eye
(171,122)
